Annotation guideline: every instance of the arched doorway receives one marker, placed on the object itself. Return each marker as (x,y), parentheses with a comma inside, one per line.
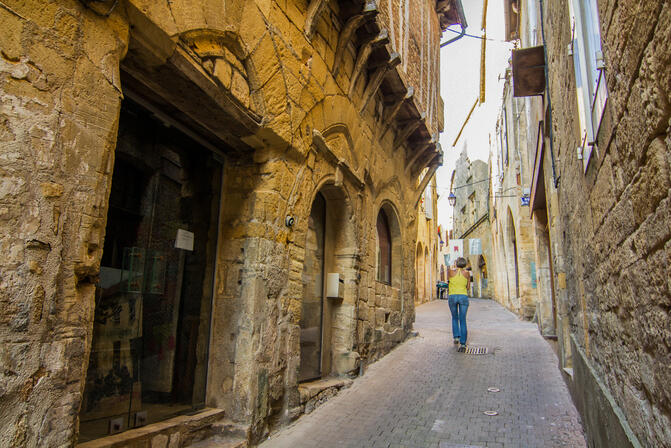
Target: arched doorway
(482,275)
(419,274)
(330,249)
(312,309)
(427,275)
(513,254)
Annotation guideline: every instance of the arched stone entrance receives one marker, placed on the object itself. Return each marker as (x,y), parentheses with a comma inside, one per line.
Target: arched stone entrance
(427,275)
(327,322)
(511,260)
(419,274)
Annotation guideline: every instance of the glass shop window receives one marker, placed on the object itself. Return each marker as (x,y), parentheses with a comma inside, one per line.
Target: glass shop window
(383,249)
(148,357)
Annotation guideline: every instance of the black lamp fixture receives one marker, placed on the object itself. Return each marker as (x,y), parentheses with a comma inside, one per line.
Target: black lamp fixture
(452,199)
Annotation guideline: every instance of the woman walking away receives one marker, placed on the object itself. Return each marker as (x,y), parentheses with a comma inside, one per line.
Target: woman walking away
(459,280)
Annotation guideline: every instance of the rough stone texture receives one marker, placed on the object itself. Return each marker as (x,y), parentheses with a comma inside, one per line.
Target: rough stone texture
(244,76)
(472,219)
(512,232)
(609,224)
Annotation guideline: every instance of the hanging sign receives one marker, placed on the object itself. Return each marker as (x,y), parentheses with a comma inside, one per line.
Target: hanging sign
(456,249)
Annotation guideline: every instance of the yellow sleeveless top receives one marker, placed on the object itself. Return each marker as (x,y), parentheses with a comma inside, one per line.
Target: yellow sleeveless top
(458,284)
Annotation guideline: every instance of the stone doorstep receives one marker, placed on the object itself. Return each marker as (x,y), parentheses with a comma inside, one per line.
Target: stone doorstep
(310,390)
(162,434)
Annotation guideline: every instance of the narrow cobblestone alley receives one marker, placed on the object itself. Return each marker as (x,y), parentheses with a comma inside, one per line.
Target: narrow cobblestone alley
(426,394)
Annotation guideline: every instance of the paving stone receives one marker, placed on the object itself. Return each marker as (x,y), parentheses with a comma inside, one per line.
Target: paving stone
(426,394)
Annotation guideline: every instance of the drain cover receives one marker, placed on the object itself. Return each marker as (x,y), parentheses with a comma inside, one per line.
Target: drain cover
(476,350)
(491,413)
(493,389)
(457,445)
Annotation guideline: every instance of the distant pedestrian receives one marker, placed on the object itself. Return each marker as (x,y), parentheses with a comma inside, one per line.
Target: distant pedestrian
(459,280)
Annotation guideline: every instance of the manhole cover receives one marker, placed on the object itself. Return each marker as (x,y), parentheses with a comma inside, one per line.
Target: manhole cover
(493,389)
(476,350)
(491,413)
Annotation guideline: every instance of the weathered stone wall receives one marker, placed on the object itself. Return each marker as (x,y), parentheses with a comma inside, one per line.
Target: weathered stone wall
(250,78)
(614,220)
(59,109)
(512,229)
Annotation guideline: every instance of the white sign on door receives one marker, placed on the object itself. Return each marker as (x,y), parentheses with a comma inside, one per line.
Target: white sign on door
(184,240)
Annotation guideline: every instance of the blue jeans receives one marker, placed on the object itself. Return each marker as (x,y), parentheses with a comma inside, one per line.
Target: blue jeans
(458,307)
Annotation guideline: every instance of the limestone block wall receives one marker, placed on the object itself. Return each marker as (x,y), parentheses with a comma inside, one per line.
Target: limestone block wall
(614,220)
(512,225)
(252,83)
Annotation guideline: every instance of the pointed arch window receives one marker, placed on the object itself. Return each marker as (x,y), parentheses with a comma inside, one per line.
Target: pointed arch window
(383,249)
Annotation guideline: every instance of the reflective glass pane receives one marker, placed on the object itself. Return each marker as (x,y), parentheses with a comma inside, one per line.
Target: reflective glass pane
(151,325)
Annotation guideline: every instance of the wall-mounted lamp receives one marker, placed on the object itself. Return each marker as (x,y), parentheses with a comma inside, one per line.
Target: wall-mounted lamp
(452,199)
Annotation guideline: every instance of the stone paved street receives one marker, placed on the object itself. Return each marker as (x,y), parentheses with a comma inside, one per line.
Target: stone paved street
(425,394)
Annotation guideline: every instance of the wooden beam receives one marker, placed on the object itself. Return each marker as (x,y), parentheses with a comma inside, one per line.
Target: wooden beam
(425,160)
(394,108)
(315,10)
(362,57)
(407,127)
(376,79)
(349,30)
(415,155)
(427,178)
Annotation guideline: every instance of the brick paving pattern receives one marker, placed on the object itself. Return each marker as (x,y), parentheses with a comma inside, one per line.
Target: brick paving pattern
(425,394)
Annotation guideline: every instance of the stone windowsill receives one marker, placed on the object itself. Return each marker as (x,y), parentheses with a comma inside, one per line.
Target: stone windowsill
(181,423)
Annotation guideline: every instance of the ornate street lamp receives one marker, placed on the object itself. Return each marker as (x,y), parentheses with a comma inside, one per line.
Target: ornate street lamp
(452,199)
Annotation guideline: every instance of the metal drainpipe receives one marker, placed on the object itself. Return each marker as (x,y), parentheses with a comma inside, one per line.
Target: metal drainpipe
(454,39)
(555,178)
(462,23)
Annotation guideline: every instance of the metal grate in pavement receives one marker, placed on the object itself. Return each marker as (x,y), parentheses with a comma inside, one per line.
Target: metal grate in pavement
(457,445)
(476,351)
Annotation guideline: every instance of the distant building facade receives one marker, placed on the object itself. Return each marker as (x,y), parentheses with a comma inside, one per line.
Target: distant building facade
(470,184)
(426,258)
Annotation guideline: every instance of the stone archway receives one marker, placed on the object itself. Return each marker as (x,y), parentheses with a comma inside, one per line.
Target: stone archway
(512,260)
(427,275)
(327,322)
(419,274)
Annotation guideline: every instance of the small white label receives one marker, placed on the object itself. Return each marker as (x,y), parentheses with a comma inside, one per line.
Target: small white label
(184,240)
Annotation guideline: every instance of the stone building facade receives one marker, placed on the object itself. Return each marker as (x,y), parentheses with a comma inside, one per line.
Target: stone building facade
(471,186)
(205,204)
(426,256)
(515,281)
(600,203)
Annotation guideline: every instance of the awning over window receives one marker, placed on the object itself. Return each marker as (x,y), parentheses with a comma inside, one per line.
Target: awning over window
(528,71)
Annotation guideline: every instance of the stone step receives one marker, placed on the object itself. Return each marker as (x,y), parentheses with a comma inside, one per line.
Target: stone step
(220,442)
(227,434)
